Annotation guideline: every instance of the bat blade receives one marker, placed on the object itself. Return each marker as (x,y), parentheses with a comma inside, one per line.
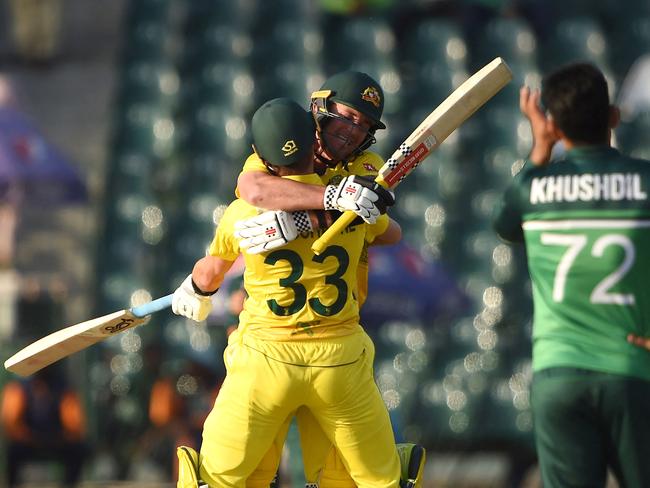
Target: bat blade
(447,117)
(65,342)
(432,131)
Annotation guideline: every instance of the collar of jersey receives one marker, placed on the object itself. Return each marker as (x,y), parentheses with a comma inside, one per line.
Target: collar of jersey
(591,152)
(311,178)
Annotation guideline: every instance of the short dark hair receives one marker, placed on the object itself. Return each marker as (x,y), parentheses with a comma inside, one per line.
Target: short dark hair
(576,96)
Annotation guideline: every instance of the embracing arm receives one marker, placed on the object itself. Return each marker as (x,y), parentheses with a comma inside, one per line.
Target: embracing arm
(275,228)
(392,235)
(266,191)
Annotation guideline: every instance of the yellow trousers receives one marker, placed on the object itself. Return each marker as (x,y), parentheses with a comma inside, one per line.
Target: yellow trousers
(321,461)
(261,392)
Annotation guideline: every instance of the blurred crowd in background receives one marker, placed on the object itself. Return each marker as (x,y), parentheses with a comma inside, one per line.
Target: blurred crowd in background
(449,309)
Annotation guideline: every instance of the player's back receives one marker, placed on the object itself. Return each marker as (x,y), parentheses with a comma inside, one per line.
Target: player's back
(294,294)
(586,224)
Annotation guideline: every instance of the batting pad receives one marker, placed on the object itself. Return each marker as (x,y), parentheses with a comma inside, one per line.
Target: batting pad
(188,467)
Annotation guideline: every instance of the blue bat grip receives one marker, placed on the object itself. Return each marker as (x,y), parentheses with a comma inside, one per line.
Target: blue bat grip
(151,307)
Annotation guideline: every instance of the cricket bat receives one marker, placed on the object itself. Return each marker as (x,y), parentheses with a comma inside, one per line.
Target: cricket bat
(432,131)
(65,342)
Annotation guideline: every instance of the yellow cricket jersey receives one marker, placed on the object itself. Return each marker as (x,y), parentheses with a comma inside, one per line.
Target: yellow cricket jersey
(292,293)
(366,164)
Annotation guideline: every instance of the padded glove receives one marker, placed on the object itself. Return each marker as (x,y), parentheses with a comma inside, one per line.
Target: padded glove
(271,229)
(188,302)
(361,195)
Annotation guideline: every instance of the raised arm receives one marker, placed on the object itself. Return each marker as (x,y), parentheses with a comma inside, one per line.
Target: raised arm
(545,134)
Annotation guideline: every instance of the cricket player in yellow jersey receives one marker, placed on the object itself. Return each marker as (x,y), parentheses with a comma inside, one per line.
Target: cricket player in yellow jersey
(299,343)
(347,111)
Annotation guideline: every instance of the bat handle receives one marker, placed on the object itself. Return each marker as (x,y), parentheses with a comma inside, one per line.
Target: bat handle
(151,307)
(337,227)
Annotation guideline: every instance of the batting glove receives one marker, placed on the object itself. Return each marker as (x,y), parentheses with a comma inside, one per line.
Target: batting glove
(191,302)
(271,229)
(361,195)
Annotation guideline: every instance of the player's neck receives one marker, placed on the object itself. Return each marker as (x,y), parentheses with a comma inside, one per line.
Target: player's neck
(321,162)
(569,144)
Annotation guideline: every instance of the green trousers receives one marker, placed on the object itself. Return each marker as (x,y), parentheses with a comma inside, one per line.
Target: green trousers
(586,421)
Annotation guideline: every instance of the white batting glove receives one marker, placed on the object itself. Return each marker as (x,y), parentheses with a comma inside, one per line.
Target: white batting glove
(270,230)
(361,195)
(188,303)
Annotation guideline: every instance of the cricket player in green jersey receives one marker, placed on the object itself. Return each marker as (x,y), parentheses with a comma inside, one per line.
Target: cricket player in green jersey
(299,342)
(585,221)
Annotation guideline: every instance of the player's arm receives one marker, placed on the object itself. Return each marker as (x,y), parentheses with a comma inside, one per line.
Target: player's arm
(264,190)
(358,194)
(208,273)
(545,134)
(276,228)
(392,235)
(192,298)
(507,216)
(260,187)
(507,223)
(642,342)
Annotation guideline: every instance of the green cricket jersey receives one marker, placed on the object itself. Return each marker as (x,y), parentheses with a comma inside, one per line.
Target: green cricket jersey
(585,221)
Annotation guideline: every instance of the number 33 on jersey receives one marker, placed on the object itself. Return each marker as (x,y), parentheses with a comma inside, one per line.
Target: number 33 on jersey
(294,294)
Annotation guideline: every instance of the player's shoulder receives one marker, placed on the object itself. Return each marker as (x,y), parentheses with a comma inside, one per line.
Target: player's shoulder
(634,163)
(367,162)
(524,170)
(242,206)
(253,163)
(236,210)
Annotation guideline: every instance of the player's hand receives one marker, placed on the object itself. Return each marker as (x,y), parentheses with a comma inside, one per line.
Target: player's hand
(271,229)
(544,135)
(188,303)
(361,195)
(643,342)
(386,197)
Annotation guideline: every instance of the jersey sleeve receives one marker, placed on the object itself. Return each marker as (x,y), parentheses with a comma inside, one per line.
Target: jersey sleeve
(252,163)
(224,244)
(507,217)
(377,229)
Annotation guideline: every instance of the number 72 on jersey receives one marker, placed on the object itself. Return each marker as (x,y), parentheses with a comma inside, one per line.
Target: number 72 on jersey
(585,244)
